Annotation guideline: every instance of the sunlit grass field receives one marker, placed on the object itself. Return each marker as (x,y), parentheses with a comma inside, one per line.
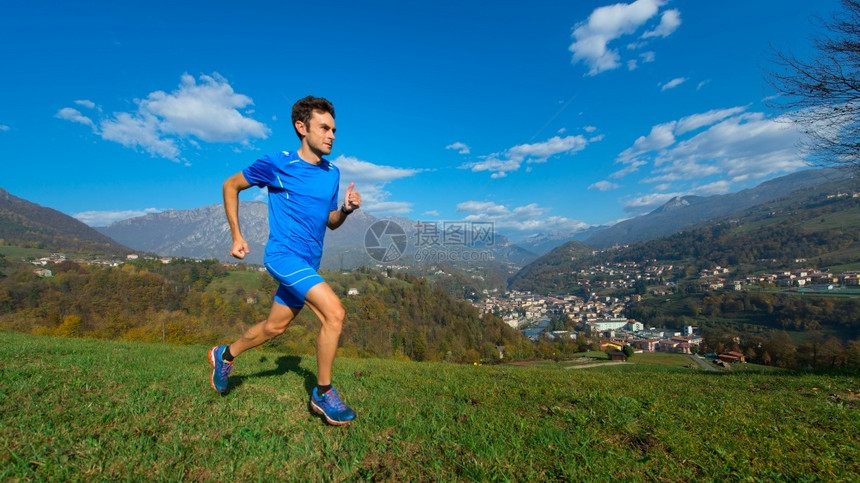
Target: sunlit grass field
(248,281)
(99,410)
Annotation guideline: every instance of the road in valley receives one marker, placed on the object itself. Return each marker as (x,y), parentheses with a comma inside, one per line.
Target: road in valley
(703,363)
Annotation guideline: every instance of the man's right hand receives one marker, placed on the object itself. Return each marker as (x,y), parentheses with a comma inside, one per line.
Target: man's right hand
(239,249)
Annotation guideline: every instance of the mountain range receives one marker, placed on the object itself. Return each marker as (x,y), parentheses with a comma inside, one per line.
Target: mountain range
(28,224)
(817,226)
(204,233)
(684,211)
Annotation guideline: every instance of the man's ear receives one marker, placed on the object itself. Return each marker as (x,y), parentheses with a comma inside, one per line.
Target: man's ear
(301,128)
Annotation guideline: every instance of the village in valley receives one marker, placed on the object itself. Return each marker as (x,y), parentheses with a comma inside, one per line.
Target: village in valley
(598,317)
(603,318)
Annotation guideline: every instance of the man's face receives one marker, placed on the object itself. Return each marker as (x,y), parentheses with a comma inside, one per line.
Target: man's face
(319,133)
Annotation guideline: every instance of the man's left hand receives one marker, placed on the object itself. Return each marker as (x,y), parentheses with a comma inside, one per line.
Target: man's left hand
(352,200)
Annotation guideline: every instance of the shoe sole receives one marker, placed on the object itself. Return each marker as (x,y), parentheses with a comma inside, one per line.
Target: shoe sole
(212,363)
(328,419)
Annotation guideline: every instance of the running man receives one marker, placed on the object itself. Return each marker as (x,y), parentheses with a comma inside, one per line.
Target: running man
(303,201)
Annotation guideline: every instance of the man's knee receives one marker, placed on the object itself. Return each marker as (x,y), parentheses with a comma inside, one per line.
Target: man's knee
(333,317)
(275,327)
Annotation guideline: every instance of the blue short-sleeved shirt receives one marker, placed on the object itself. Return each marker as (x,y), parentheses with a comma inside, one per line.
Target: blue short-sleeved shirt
(301,196)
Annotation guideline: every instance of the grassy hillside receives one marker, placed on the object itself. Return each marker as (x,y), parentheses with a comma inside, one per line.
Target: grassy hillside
(98,410)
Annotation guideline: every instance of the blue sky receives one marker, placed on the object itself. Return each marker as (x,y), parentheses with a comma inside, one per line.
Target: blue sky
(538,116)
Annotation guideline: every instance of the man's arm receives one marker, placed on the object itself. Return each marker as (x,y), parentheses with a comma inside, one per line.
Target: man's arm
(230,191)
(351,202)
(336,218)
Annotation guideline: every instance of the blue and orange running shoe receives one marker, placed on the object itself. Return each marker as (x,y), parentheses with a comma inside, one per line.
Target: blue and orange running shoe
(332,407)
(220,368)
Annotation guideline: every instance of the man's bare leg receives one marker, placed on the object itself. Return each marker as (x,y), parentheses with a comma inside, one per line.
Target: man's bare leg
(279,319)
(325,399)
(221,357)
(326,304)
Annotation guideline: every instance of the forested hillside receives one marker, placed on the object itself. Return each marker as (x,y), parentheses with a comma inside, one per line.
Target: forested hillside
(392,315)
(27,224)
(814,224)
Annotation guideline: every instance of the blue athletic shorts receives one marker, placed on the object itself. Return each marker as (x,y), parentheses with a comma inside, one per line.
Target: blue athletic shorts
(295,276)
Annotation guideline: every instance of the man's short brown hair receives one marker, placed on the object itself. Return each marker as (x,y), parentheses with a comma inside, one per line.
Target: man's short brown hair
(303,108)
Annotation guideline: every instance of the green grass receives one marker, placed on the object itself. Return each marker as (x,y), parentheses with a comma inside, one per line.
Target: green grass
(249,281)
(664,359)
(13,252)
(750,367)
(98,410)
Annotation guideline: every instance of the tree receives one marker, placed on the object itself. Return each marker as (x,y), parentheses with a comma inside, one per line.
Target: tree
(628,351)
(71,327)
(822,95)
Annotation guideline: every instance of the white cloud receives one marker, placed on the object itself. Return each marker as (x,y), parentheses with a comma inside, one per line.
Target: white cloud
(673,83)
(370,180)
(702,84)
(433,213)
(207,111)
(380,207)
(133,131)
(606,24)
(696,121)
(86,103)
(540,152)
(513,158)
(262,194)
(487,208)
(354,169)
(603,186)
(664,135)
(745,146)
(528,218)
(669,22)
(632,167)
(104,218)
(74,115)
(648,56)
(4,127)
(461,148)
(661,136)
(648,203)
(720,187)
(711,153)
(498,167)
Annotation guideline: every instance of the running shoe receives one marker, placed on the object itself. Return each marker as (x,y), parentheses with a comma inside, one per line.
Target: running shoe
(220,368)
(332,407)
